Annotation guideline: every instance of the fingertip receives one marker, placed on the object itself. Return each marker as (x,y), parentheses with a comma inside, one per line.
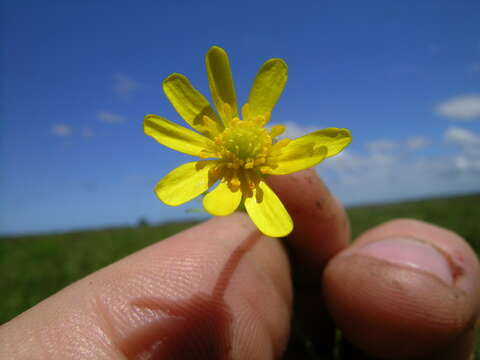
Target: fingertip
(321,226)
(398,291)
(462,260)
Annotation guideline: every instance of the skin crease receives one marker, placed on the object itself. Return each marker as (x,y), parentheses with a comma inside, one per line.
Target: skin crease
(221,290)
(206,317)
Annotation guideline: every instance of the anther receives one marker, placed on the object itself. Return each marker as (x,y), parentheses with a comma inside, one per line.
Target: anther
(277,130)
(227,111)
(208,122)
(235,182)
(260,120)
(205,154)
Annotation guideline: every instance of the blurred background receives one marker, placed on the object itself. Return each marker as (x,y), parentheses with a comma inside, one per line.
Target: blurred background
(78,78)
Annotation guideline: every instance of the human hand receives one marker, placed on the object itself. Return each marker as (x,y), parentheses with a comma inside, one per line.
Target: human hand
(221,290)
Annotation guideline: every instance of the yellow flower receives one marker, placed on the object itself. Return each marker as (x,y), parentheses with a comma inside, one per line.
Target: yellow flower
(237,153)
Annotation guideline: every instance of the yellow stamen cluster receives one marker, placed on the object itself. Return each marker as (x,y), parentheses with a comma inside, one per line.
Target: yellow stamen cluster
(246,151)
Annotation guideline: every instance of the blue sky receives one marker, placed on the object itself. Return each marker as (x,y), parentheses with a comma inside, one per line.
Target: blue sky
(78,78)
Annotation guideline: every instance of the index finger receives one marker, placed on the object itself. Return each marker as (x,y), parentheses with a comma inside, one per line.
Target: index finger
(219,290)
(321,230)
(321,226)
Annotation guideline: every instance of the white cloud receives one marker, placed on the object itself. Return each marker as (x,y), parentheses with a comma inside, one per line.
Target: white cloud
(394,169)
(376,175)
(417,142)
(62,130)
(469,144)
(294,130)
(382,145)
(109,117)
(123,85)
(462,136)
(465,107)
(466,163)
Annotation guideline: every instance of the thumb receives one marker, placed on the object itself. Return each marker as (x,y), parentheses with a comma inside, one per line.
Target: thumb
(406,290)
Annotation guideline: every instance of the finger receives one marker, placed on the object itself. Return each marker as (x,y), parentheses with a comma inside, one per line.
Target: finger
(406,289)
(321,229)
(219,290)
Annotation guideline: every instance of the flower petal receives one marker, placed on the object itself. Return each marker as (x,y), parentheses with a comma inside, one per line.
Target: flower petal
(268,213)
(175,136)
(311,149)
(334,139)
(296,157)
(221,82)
(222,201)
(267,88)
(184,183)
(191,105)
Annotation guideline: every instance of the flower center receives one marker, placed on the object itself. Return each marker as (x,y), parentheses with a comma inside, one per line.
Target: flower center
(246,151)
(243,144)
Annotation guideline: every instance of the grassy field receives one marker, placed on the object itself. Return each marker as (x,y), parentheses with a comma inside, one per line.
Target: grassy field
(34,267)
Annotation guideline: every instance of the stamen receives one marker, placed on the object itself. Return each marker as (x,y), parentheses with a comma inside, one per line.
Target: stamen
(249,164)
(278,146)
(204,154)
(214,174)
(253,178)
(259,195)
(245,111)
(227,112)
(260,120)
(265,169)
(235,122)
(277,130)
(235,181)
(260,160)
(208,122)
(247,151)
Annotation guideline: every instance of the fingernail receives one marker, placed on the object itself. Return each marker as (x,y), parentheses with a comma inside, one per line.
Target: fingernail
(411,253)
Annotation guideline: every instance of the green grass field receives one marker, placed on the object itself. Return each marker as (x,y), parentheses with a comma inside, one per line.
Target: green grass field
(34,267)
